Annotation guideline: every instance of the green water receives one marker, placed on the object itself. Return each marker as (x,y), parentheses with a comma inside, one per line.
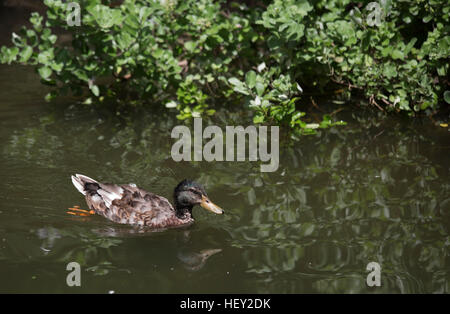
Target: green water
(376,190)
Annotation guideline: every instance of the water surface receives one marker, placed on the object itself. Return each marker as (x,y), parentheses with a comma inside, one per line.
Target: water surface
(374,190)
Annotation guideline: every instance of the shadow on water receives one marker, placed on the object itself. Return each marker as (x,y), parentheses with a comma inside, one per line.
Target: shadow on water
(374,190)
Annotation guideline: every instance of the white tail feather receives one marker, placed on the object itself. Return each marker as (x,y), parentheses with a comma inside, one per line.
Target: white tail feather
(80,180)
(107,192)
(78,184)
(85,179)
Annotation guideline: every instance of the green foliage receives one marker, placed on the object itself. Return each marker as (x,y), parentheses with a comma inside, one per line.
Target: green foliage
(402,62)
(273,96)
(207,52)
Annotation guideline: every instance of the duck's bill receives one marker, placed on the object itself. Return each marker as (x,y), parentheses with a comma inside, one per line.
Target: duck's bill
(208,205)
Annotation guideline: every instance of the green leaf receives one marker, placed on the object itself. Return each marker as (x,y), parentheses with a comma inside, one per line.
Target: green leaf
(258,119)
(80,74)
(259,88)
(17,40)
(57,67)
(390,71)
(447,96)
(8,55)
(45,56)
(410,45)
(397,54)
(171,104)
(428,18)
(26,54)
(95,90)
(190,46)
(36,20)
(234,81)
(52,38)
(250,79)
(45,72)
(312,126)
(105,16)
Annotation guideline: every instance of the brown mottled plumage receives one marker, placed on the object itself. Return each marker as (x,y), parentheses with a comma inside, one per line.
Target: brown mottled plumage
(129,204)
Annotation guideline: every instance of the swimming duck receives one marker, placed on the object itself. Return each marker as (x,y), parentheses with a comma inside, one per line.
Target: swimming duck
(129,204)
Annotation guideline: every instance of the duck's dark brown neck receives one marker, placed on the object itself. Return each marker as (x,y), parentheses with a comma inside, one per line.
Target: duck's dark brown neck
(183,212)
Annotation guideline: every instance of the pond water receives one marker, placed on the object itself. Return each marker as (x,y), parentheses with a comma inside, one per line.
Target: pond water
(375,190)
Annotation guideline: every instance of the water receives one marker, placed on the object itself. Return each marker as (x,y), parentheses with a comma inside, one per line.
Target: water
(376,190)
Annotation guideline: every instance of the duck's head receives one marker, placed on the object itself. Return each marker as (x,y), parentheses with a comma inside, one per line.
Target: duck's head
(189,193)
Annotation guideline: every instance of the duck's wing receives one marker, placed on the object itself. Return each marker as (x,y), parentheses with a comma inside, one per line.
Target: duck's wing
(138,206)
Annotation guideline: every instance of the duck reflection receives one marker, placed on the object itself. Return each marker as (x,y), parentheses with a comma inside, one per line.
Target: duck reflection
(186,249)
(48,236)
(194,260)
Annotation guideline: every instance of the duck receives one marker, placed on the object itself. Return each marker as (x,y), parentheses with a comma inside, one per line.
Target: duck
(129,204)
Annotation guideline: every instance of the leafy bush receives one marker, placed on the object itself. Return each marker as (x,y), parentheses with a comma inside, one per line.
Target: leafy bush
(401,61)
(191,54)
